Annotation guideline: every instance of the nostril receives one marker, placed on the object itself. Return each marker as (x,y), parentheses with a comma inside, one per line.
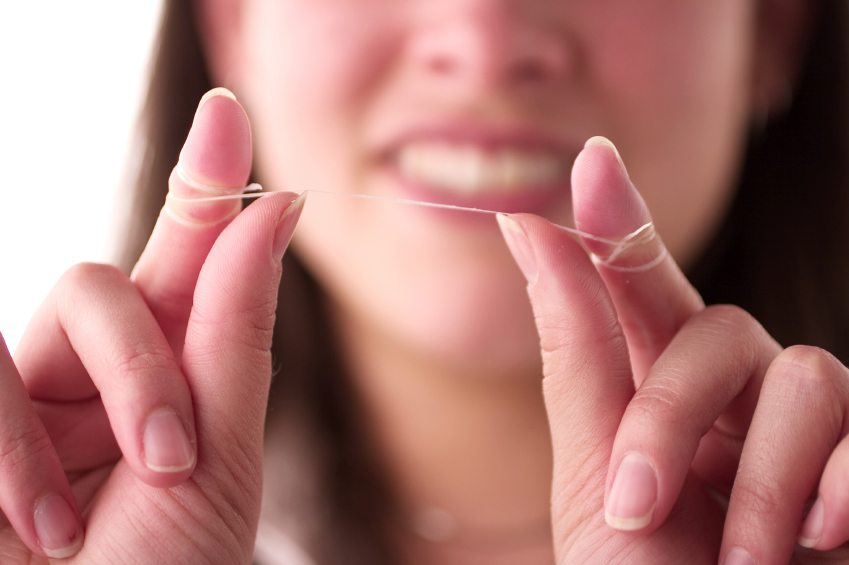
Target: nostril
(442,65)
(528,72)
(538,56)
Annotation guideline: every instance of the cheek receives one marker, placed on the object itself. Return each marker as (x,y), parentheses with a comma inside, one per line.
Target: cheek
(307,73)
(674,82)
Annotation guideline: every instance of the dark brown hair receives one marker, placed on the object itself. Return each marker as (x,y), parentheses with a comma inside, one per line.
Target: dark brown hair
(332,485)
(780,253)
(781,250)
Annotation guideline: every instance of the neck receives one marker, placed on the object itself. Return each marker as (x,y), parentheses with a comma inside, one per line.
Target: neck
(469,457)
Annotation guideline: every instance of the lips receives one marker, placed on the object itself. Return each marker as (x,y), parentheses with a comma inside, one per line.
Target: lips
(502,171)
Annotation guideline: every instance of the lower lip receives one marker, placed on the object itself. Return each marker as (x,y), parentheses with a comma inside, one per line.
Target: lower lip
(533,199)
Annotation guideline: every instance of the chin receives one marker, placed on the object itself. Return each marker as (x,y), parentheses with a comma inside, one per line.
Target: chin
(459,307)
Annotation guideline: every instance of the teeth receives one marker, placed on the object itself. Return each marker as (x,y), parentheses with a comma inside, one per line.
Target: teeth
(468,169)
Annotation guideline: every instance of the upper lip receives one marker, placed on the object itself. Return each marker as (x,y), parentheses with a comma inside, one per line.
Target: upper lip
(487,137)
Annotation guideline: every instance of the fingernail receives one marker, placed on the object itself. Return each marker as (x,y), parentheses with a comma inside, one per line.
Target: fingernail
(286,226)
(601,141)
(738,556)
(633,496)
(812,528)
(218,91)
(218,145)
(607,204)
(520,246)
(57,527)
(167,448)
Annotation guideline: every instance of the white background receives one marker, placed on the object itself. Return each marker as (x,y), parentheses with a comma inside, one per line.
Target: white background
(71,78)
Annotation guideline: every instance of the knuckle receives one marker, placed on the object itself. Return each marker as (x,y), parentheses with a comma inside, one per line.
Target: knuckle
(88,274)
(808,376)
(660,405)
(730,317)
(145,360)
(557,338)
(814,362)
(758,496)
(22,447)
(251,326)
(83,280)
(808,369)
(743,335)
(723,320)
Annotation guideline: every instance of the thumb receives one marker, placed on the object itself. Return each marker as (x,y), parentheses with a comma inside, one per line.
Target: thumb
(227,357)
(587,376)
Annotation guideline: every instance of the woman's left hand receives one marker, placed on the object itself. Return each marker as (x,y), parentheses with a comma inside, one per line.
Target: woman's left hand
(661,410)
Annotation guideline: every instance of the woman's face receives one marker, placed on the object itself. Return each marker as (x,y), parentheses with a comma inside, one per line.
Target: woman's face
(483,103)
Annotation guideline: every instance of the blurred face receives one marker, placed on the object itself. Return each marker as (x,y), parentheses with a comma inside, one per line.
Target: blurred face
(482,103)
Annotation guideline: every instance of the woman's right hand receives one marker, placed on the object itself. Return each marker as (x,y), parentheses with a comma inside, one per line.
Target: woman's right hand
(123,386)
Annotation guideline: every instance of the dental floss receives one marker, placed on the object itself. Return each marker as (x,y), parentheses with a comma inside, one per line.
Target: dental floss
(643,235)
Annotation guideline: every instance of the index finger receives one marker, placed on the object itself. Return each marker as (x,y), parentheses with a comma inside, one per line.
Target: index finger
(652,304)
(215,160)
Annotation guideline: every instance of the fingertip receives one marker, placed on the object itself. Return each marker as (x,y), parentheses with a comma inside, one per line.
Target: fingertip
(164,477)
(217,91)
(272,207)
(168,447)
(541,246)
(632,500)
(215,161)
(57,526)
(286,226)
(605,201)
(66,552)
(605,143)
(519,245)
(627,524)
(218,148)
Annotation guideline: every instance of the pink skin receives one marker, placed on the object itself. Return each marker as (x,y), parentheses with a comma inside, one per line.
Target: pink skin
(420,302)
(646,76)
(631,373)
(689,417)
(101,357)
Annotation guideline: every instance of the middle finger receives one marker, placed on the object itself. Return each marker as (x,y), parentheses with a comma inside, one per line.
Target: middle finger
(798,422)
(687,389)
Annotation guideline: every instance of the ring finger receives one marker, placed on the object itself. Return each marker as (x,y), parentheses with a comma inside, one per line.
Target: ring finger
(34,493)
(797,423)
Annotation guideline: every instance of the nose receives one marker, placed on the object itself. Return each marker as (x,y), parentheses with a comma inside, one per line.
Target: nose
(491,43)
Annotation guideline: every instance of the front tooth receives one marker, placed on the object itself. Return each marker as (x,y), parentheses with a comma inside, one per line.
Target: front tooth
(408,161)
(467,168)
(414,162)
(441,164)
(542,169)
(429,159)
(504,170)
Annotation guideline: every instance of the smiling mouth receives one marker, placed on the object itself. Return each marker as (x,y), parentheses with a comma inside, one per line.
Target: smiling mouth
(468,169)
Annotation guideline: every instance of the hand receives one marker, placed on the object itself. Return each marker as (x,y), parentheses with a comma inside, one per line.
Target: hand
(125,386)
(658,405)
